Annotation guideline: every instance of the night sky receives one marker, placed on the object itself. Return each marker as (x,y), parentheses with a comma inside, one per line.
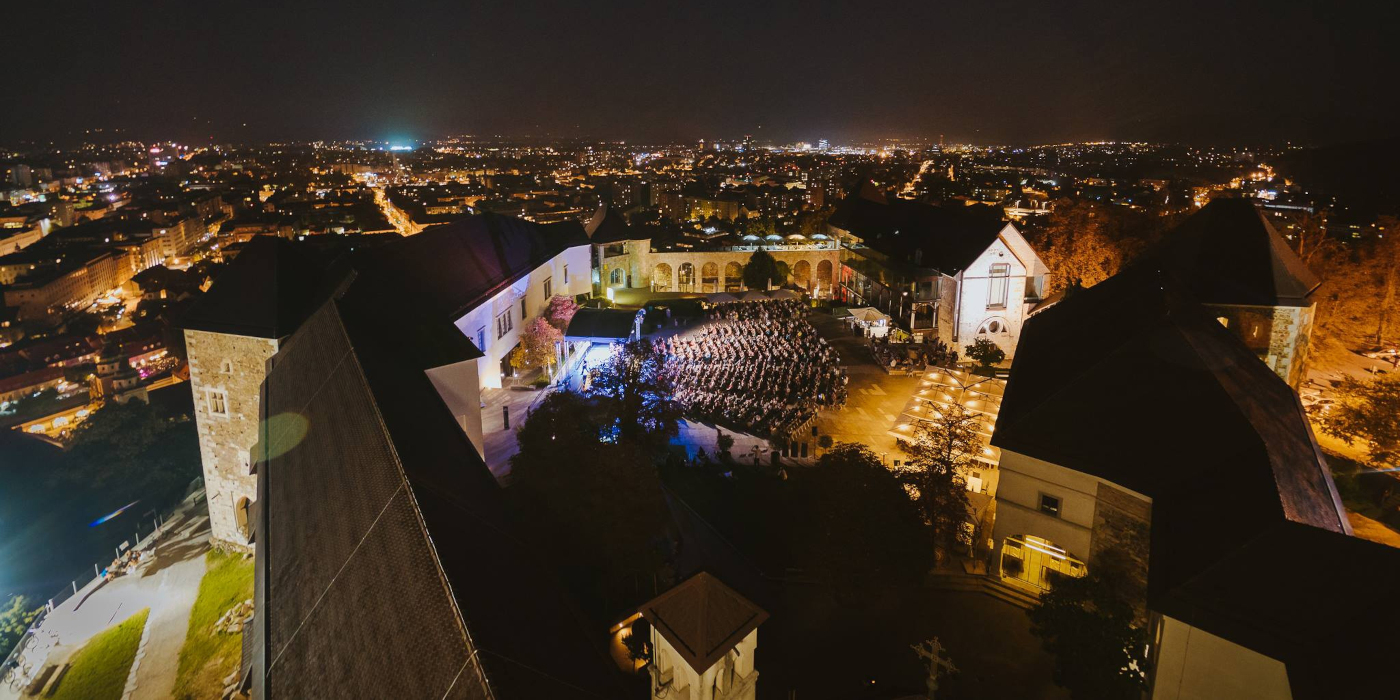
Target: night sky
(981,72)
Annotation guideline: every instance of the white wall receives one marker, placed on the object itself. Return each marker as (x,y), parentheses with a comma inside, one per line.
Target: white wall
(687,683)
(1021,481)
(1193,664)
(975,285)
(530,287)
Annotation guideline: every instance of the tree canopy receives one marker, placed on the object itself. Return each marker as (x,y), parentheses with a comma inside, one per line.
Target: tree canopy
(1369,412)
(637,395)
(941,450)
(600,502)
(762,269)
(538,346)
(1092,625)
(133,449)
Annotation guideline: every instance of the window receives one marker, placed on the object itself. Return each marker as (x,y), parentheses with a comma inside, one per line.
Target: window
(1050,505)
(481,339)
(523,314)
(996,293)
(227,367)
(548,287)
(566,274)
(216,400)
(503,324)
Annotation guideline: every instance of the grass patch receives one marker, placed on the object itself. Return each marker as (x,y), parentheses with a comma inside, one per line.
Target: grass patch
(99,670)
(207,656)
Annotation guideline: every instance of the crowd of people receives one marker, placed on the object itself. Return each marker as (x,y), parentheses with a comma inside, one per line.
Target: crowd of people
(758,367)
(912,357)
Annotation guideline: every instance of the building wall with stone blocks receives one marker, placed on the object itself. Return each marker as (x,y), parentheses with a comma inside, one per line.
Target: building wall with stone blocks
(226,375)
(1279,335)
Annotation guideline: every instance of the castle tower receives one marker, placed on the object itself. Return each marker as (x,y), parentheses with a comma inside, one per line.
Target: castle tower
(704,635)
(230,334)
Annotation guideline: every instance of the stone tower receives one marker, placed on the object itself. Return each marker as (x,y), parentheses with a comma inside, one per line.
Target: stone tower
(230,334)
(704,635)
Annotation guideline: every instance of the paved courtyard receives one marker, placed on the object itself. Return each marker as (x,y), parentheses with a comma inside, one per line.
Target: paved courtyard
(167,585)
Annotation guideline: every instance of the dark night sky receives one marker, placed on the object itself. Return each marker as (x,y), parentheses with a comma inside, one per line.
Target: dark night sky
(984,71)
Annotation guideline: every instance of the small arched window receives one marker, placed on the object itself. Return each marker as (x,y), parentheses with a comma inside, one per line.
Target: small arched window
(992,326)
(241,516)
(226,367)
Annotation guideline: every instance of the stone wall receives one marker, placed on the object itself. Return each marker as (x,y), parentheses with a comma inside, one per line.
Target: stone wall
(642,268)
(1279,335)
(231,368)
(1122,522)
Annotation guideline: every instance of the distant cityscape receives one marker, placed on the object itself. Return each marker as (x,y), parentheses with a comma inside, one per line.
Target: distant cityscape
(481,416)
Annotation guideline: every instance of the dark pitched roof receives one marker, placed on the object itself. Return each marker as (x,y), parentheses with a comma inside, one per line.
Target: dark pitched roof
(387,565)
(703,619)
(1228,253)
(947,239)
(1134,382)
(602,323)
(265,292)
(608,225)
(454,267)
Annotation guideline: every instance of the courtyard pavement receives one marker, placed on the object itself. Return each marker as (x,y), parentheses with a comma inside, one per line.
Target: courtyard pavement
(874,398)
(167,585)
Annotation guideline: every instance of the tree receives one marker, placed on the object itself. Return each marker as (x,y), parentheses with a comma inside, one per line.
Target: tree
(1075,243)
(941,451)
(724,443)
(560,310)
(985,353)
(538,346)
(597,501)
(638,640)
(862,529)
(1092,625)
(1368,411)
(15,619)
(1386,261)
(637,394)
(762,269)
(133,451)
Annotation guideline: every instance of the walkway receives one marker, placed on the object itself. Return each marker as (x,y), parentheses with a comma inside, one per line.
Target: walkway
(874,398)
(167,585)
(499,441)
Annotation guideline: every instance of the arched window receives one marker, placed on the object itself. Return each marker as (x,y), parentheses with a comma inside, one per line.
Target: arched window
(661,278)
(619,276)
(241,517)
(226,367)
(993,326)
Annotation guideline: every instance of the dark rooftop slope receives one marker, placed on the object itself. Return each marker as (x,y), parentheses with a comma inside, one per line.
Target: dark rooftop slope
(703,619)
(454,267)
(265,292)
(946,239)
(386,563)
(1132,381)
(1228,253)
(608,225)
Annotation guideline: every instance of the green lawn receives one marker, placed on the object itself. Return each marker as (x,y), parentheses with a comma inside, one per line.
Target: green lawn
(208,657)
(100,668)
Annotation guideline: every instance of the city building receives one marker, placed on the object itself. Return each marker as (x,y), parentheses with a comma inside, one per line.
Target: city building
(956,274)
(624,259)
(1166,441)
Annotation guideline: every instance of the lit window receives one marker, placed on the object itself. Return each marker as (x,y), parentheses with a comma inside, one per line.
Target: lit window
(481,339)
(1050,505)
(996,294)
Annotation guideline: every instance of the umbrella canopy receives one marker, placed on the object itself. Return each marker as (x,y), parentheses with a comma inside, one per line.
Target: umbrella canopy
(722,298)
(754,295)
(783,294)
(868,314)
